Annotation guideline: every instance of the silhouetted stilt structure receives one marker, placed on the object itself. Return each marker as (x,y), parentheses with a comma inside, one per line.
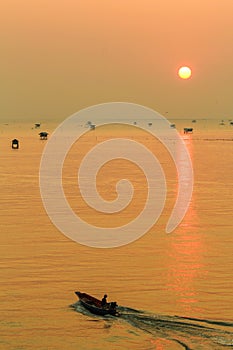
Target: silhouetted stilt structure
(15,144)
(188,130)
(43,135)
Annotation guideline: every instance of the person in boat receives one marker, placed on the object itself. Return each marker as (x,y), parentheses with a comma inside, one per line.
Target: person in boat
(104,301)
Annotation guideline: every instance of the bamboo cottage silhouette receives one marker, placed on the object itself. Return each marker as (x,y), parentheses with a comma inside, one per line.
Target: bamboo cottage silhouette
(188,130)
(15,144)
(43,135)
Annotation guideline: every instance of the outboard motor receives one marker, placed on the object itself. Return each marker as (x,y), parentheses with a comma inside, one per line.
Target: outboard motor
(113,305)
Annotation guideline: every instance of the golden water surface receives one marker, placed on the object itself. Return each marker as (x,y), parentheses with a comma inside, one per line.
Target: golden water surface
(188,273)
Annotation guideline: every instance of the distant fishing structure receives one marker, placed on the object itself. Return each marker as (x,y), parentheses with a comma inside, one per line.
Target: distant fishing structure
(43,135)
(90,125)
(15,144)
(188,130)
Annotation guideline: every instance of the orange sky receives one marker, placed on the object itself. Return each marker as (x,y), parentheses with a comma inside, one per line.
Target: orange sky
(60,56)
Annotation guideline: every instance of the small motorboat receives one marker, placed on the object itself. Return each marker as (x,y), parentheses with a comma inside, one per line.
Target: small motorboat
(94,305)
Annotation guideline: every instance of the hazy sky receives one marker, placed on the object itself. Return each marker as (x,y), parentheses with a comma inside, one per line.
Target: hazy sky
(58,56)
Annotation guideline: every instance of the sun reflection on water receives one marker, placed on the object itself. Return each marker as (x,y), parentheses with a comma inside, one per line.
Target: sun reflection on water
(185,252)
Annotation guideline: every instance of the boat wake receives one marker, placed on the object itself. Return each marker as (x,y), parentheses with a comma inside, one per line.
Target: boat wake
(187,333)
(190,333)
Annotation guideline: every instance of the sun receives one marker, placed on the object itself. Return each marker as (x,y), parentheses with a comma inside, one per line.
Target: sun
(184,72)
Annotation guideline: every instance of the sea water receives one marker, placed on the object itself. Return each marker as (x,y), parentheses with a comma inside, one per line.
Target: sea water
(174,291)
